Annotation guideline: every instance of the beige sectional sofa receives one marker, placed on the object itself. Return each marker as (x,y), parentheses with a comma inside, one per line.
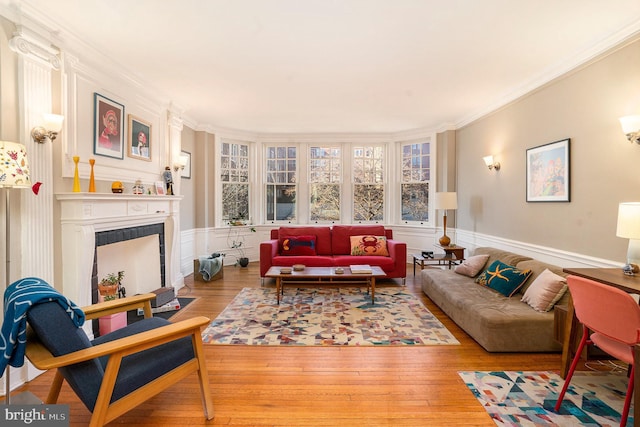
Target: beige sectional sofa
(496,322)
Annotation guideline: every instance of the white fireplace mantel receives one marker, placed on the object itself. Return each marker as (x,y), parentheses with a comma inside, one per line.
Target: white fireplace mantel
(84,214)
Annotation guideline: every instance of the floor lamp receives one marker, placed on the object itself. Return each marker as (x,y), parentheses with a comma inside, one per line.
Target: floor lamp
(445,201)
(14,174)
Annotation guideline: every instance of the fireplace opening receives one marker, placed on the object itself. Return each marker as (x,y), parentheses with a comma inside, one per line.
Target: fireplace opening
(138,251)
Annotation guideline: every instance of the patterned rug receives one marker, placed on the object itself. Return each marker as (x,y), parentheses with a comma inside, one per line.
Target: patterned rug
(516,398)
(327,316)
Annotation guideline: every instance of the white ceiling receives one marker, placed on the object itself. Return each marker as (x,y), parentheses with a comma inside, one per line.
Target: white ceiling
(343,65)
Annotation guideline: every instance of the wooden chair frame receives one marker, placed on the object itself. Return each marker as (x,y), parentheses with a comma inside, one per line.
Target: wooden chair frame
(105,412)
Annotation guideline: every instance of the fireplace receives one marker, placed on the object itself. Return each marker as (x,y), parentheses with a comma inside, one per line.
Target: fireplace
(92,222)
(138,251)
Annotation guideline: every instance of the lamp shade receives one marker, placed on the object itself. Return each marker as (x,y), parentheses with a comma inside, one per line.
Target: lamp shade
(630,124)
(629,220)
(14,165)
(446,200)
(53,122)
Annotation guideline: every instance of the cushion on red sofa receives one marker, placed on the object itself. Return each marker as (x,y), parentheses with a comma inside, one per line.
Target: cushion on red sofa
(342,233)
(369,245)
(322,233)
(298,246)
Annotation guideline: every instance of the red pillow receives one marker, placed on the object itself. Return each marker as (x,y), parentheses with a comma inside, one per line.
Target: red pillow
(298,245)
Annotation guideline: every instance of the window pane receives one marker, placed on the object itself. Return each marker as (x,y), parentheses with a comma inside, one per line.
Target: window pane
(280,179)
(235,202)
(281,202)
(235,177)
(325,202)
(415,202)
(416,172)
(325,168)
(368,202)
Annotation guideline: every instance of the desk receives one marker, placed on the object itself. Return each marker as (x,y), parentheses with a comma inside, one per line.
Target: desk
(612,277)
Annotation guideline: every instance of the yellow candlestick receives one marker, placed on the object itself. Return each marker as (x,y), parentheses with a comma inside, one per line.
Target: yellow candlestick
(92,181)
(76,178)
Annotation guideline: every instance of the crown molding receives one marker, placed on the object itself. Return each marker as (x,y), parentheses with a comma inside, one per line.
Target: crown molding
(597,51)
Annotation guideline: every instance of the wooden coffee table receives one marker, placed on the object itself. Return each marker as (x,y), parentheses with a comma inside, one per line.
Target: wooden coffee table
(324,276)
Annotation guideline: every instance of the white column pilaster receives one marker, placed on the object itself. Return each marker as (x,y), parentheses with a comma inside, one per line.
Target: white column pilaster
(172,265)
(36,61)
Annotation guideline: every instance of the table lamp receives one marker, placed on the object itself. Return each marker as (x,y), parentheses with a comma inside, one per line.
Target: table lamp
(629,227)
(445,201)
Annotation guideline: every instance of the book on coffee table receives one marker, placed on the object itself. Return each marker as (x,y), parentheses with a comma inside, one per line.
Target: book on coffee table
(360,269)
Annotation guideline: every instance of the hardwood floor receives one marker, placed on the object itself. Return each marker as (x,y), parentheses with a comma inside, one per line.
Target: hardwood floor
(318,386)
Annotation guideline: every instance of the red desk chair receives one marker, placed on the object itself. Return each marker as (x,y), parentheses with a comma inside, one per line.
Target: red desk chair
(613,317)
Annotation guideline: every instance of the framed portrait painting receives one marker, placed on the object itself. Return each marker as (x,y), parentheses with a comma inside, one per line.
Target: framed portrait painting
(139,139)
(108,122)
(548,176)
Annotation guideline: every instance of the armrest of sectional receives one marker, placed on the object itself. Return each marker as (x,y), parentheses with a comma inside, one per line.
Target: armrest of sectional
(268,250)
(398,252)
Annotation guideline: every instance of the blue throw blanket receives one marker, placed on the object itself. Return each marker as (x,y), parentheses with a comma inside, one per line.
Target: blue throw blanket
(209,267)
(18,299)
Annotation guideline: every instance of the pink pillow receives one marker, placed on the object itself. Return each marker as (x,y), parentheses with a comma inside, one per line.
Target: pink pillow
(369,245)
(298,245)
(545,291)
(472,265)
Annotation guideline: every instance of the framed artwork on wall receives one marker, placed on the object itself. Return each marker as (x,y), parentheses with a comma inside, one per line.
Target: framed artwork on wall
(139,139)
(548,177)
(108,139)
(186,172)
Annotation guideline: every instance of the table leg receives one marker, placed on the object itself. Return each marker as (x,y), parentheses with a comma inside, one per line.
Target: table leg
(415,261)
(278,286)
(373,290)
(570,334)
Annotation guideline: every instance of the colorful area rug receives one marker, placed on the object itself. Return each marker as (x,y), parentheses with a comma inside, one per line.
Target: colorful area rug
(516,398)
(327,316)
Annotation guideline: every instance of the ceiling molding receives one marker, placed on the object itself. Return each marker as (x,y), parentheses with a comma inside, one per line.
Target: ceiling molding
(596,52)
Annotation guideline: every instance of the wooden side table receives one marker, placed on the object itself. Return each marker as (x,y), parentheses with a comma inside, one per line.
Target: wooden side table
(457,251)
(436,259)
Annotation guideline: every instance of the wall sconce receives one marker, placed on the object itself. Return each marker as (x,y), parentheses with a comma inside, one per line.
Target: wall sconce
(631,128)
(180,163)
(50,128)
(488,160)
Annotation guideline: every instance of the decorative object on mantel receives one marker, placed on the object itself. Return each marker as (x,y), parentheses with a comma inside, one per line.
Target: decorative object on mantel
(76,177)
(138,188)
(117,187)
(168,180)
(159,188)
(92,179)
(110,287)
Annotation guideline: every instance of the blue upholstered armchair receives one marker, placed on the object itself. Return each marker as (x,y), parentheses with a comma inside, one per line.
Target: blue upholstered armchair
(116,372)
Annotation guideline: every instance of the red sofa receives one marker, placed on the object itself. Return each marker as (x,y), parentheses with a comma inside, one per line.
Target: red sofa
(333,248)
